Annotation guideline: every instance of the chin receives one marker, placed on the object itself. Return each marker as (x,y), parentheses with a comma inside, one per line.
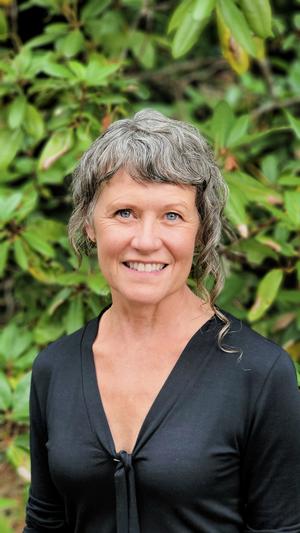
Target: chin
(142,297)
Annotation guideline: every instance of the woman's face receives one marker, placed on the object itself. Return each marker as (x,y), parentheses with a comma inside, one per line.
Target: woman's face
(145,235)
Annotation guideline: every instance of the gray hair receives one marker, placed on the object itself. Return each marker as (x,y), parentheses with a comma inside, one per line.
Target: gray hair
(152,147)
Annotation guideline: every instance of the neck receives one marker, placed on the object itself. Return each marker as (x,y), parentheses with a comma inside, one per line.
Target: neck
(132,320)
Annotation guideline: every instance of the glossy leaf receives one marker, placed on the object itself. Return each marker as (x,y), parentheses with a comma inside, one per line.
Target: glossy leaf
(97,72)
(9,205)
(221,124)
(20,254)
(259,16)
(236,22)
(236,212)
(11,143)
(20,411)
(295,124)
(238,131)
(202,9)
(143,49)
(58,144)
(57,71)
(37,242)
(17,112)
(72,43)
(266,293)
(5,392)
(232,50)
(187,35)
(34,123)
(74,318)
(180,12)
(3,26)
(292,205)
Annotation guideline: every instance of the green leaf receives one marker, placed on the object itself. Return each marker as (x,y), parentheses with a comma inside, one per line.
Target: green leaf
(37,242)
(7,504)
(20,410)
(97,72)
(221,123)
(71,278)
(9,205)
(180,12)
(59,143)
(238,131)
(78,69)
(289,296)
(5,526)
(19,457)
(10,143)
(20,254)
(5,393)
(14,341)
(58,300)
(56,70)
(98,284)
(252,189)
(203,9)
(73,43)
(3,26)
(47,330)
(142,48)
(4,248)
(236,212)
(259,16)
(256,252)
(74,318)
(289,180)
(92,9)
(16,112)
(28,203)
(292,205)
(235,20)
(187,34)
(34,123)
(54,230)
(266,293)
(295,124)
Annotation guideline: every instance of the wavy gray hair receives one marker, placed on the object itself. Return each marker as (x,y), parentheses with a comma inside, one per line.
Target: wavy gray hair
(158,149)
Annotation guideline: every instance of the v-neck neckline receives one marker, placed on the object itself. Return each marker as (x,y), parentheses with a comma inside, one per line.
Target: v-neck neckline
(174,384)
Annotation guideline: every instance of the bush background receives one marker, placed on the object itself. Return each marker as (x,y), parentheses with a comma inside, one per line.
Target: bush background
(70,68)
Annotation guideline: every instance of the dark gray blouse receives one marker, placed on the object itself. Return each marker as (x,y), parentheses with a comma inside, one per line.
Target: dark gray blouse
(218,452)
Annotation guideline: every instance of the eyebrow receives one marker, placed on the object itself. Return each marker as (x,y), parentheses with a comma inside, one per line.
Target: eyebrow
(130,204)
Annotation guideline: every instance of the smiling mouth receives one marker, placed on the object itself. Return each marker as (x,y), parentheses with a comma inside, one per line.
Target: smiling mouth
(145,267)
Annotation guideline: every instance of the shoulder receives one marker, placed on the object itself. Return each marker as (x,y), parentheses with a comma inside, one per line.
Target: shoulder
(59,352)
(256,354)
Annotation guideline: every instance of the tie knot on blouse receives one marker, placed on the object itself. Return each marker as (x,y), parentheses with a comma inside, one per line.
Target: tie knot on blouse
(124,460)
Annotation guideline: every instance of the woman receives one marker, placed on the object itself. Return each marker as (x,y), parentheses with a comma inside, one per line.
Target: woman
(163,414)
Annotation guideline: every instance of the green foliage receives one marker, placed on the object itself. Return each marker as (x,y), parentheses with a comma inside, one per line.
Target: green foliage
(226,66)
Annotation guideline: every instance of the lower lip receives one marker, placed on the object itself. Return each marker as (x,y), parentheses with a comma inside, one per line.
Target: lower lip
(143,272)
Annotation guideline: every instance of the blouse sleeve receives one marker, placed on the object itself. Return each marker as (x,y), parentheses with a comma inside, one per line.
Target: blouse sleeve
(45,508)
(271,464)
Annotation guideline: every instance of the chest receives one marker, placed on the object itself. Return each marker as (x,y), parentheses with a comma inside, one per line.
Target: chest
(128,388)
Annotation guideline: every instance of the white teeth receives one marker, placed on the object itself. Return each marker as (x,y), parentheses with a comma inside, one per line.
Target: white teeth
(146,267)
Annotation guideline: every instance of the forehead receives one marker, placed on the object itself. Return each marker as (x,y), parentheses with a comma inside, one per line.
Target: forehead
(123,187)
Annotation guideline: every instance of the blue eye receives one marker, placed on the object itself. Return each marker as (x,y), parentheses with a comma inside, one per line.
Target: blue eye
(124,213)
(172,216)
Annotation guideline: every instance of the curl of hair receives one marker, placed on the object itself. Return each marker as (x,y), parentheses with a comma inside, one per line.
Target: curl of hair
(154,148)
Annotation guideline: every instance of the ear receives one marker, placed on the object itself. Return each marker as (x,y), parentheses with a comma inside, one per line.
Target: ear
(90,232)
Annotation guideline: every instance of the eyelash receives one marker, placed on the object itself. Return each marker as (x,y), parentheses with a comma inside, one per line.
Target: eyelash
(119,212)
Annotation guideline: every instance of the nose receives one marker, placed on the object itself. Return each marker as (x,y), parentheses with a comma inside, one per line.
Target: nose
(146,237)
